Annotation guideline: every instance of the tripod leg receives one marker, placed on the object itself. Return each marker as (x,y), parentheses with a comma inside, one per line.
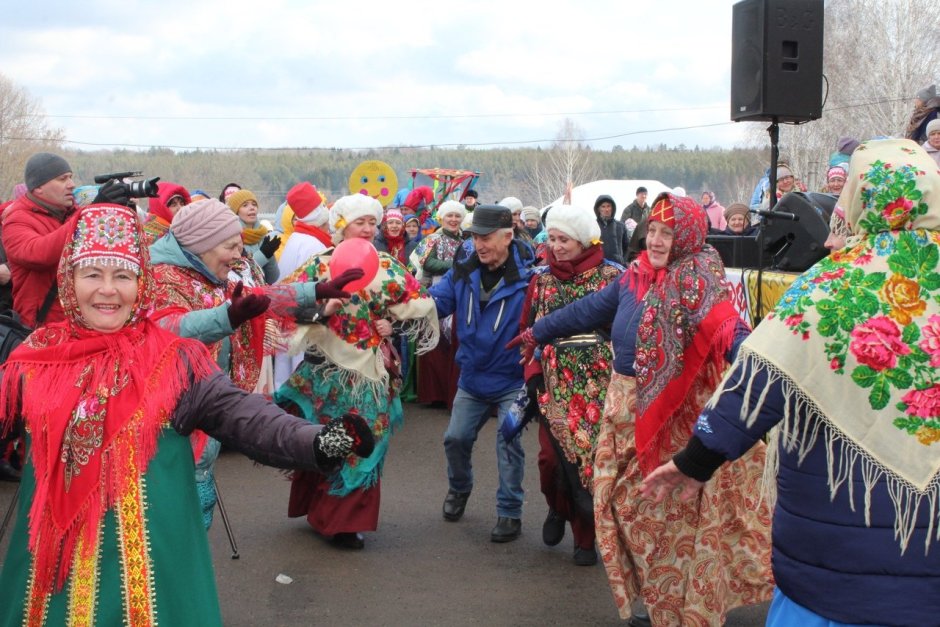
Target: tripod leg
(9,515)
(225,521)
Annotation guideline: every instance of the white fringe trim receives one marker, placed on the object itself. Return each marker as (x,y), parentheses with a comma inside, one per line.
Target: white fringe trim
(803,422)
(424,332)
(358,386)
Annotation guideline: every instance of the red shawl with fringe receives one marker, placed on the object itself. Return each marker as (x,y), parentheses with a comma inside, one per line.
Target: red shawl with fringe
(687,325)
(113,395)
(94,403)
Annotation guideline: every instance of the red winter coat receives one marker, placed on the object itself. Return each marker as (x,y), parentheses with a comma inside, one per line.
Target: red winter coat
(33,240)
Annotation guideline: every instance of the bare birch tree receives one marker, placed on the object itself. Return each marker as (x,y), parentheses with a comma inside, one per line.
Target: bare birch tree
(568,163)
(876,56)
(23,131)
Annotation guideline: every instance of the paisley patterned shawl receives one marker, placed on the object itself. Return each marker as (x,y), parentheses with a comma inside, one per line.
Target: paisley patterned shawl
(687,325)
(348,340)
(94,405)
(855,341)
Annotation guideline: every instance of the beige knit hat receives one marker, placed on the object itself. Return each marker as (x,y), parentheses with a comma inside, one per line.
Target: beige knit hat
(202,225)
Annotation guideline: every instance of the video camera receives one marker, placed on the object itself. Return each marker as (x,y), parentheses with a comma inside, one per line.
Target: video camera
(135,189)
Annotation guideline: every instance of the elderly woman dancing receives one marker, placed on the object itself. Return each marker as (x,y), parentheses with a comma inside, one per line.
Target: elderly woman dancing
(570,380)
(350,366)
(108,530)
(845,371)
(673,327)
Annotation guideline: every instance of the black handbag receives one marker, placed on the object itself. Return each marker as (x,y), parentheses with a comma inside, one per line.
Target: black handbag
(12,330)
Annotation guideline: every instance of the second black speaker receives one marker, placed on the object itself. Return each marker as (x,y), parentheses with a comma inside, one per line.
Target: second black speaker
(777,60)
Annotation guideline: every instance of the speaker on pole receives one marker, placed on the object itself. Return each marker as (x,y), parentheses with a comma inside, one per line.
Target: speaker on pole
(777,60)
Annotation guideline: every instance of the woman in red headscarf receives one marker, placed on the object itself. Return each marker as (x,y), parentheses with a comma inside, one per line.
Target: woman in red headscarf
(108,529)
(673,329)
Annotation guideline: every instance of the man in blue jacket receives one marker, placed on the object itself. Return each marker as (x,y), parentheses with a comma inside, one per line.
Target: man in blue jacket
(485,290)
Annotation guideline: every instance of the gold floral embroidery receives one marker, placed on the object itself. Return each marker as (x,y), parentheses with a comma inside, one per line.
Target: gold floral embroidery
(140,608)
(83,589)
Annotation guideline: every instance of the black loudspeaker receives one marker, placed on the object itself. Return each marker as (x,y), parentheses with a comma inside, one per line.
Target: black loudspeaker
(736,251)
(796,246)
(777,60)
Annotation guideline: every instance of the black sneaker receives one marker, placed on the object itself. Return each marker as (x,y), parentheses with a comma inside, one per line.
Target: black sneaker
(585,557)
(553,529)
(454,505)
(506,529)
(349,540)
(8,471)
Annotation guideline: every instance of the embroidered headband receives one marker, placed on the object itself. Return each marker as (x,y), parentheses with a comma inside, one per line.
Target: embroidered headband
(106,235)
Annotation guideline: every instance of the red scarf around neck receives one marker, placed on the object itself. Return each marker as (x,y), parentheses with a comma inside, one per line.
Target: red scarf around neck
(590,257)
(317,232)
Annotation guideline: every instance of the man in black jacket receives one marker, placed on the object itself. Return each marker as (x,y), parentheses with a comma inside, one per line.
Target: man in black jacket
(637,210)
(613,233)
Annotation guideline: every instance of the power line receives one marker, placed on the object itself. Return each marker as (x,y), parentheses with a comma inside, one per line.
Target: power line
(388,147)
(334,118)
(421,146)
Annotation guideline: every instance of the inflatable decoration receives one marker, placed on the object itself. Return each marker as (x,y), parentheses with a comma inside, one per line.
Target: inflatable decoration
(376,179)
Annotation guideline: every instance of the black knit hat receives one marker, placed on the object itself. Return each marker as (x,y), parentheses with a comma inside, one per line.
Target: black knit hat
(42,167)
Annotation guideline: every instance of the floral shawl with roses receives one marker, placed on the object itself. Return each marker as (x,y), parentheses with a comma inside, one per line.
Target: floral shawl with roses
(855,341)
(348,340)
(577,373)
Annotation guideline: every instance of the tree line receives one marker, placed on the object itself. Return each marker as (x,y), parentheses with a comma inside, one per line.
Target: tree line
(732,174)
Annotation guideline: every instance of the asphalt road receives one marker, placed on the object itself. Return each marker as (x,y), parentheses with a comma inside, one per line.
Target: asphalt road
(417,569)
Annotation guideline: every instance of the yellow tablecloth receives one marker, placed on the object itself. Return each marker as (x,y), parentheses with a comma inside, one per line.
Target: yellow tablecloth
(744,287)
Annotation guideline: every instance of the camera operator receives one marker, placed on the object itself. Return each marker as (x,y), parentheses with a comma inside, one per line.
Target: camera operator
(35,229)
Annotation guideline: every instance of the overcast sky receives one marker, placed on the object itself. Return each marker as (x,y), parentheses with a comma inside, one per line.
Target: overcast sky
(358,74)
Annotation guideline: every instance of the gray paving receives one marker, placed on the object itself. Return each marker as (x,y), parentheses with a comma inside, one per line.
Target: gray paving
(417,569)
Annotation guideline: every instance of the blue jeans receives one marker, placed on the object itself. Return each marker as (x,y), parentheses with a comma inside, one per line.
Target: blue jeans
(469,415)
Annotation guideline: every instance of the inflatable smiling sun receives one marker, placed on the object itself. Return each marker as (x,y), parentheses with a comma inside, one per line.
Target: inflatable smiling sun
(376,179)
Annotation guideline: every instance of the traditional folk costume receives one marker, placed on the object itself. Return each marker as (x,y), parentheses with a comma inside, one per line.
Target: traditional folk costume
(309,234)
(689,562)
(434,256)
(349,367)
(845,373)
(192,302)
(576,372)
(108,530)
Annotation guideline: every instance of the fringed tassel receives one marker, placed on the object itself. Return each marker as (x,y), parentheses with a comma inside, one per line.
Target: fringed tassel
(175,365)
(799,432)
(424,331)
(359,387)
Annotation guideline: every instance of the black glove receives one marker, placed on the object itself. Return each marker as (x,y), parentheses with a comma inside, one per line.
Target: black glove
(244,308)
(340,437)
(334,287)
(535,387)
(114,192)
(270,245)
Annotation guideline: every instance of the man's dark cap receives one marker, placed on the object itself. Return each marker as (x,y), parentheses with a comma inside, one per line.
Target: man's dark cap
(472,192)
(489,218)
(42,167)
